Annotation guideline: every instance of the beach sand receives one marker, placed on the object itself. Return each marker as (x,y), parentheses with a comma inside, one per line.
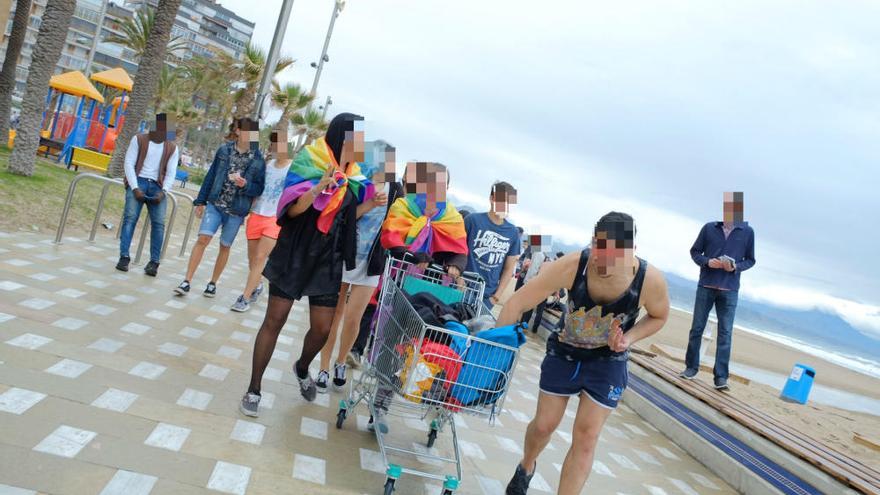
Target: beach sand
(830,425)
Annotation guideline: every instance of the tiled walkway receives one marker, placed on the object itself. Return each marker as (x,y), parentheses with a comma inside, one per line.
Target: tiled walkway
(110,384)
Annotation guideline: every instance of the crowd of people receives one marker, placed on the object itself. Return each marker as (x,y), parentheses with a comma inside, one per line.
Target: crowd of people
(322,224)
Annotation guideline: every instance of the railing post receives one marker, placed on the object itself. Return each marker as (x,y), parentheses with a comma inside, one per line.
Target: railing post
(99,211)
(189,221)
(170,226)
(140,249)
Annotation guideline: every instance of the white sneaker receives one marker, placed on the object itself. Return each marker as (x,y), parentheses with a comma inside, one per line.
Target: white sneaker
(321,382)
(338,377)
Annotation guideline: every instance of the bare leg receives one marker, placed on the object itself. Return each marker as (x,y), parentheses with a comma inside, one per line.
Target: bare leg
(547,418)
(257,261)
(327,350)
(264,345)
(195,258)
(320,319)
(220,264)
(357,304)
(579,461)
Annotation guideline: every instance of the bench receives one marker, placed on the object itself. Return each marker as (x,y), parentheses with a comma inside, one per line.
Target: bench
(49,146)
(182,176)
(81,157)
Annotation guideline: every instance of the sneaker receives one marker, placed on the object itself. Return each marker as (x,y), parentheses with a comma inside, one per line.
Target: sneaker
(210,290)
(321,382)
(250,403)
(379,422)
(721,384)
(122,265)
(688,374)
(306,385)
(152,268)
(182,289)
(519,484)
(241,304)
(256,293)
(338,377)
(353,359)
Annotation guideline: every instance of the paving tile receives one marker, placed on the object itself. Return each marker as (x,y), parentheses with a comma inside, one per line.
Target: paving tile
(4,317)
(158,315)
(115,400)
(29,341)
(311,469)
(71,293)
(168,437)
(214,372)
(68,323)
(101,309)
(195,399)
(135,328)
(68,368)
(18,262)
(192,333)
(9,285)
(150,371)
(229,352)
(313,428)
(43,277)
(125,299)
(37,303)
(18,400)
(229,478)
(98,284)
(106,345)
(173,349)
(14,490)
(65,441)
(206,320)
(248,432)
(372,461)
(129,483)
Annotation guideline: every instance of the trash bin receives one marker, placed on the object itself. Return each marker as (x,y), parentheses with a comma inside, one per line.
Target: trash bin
(797,387)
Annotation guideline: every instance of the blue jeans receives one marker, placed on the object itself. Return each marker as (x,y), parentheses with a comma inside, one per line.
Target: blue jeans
(214,219)
(133,207)
(725,309)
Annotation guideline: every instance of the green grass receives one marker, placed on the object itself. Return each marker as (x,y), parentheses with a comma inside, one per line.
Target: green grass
(35,203)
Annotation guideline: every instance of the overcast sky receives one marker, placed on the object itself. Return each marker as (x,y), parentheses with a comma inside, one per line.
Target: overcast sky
(653,108)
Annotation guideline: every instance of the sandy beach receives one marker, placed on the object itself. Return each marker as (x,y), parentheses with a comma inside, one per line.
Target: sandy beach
(831,425)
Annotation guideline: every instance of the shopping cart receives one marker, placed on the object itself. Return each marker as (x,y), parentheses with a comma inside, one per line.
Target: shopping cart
(416,370)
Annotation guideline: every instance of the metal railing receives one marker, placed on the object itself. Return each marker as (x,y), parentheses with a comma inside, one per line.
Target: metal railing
(172,195)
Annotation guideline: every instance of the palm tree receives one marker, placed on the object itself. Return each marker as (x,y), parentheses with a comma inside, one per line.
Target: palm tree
(137,31)
(168,86)
(13,50)
(186,115)
(311,124)
(47,50)
(251,71)
(147,78)
(290,99)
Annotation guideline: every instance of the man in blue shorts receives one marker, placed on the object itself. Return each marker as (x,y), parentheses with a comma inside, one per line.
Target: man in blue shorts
(587,358)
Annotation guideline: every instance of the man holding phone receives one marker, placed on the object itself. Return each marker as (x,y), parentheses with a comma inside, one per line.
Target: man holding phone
(722,251)
(235,178)
(150,166)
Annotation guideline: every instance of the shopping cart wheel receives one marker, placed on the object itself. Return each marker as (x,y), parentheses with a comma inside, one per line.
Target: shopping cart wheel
(450,485)
(432,436)
(340,416)
(389,486)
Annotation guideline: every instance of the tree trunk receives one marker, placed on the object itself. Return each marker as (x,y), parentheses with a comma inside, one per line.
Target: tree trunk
(147,79)
(47,50)
(13,50)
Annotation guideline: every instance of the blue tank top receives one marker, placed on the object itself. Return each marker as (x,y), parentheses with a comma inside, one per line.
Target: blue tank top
(588,324)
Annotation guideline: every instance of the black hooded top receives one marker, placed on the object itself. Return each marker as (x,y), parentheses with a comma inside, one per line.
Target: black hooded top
(306,262)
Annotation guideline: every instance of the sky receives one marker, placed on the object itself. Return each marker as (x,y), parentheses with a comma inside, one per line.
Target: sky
(652,108)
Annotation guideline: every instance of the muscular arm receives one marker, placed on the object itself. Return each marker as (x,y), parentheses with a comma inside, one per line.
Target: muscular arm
(656,300)
(553,277)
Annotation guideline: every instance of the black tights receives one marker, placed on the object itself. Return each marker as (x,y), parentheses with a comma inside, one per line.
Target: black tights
(277,311)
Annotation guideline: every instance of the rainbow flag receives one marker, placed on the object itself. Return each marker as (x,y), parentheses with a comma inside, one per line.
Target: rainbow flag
(407,226)
(306,171)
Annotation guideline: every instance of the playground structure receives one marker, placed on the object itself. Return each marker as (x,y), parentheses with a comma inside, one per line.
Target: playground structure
(84,133)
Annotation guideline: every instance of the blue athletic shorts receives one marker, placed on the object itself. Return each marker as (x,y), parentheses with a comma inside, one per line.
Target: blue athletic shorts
(602,379)
(214,220)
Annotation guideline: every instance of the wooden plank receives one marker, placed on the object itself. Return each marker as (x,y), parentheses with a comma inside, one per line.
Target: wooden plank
(841,467)
(669,353)
(871,443)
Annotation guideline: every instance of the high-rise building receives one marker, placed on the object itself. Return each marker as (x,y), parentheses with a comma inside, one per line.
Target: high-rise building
(205,27)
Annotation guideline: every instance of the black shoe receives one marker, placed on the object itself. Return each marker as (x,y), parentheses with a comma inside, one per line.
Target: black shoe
(122,266)
(688,374)
(721,384)
(519,484)
(182,289)
(210,290)
(152,268)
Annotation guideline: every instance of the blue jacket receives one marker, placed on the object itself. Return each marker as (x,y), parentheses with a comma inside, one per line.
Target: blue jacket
(254,174)
(711,244)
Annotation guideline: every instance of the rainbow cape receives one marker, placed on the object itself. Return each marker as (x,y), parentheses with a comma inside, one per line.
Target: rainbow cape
(305,172)
(407,226)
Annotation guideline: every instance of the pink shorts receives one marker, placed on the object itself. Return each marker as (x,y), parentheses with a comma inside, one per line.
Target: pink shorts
(260,225)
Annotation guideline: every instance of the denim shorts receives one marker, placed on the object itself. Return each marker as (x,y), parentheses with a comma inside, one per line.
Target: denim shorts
(214,219)
(602,379)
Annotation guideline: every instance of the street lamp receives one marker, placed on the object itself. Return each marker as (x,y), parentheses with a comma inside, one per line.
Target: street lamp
(272,59)
(338,5)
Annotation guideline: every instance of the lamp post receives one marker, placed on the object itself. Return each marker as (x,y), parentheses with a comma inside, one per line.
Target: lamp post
(325,107)
(95,40)
(272,59)
(338,5)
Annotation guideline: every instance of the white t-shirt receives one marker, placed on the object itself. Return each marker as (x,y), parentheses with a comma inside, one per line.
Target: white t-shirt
(537,260)
(267,203)
(152,160)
